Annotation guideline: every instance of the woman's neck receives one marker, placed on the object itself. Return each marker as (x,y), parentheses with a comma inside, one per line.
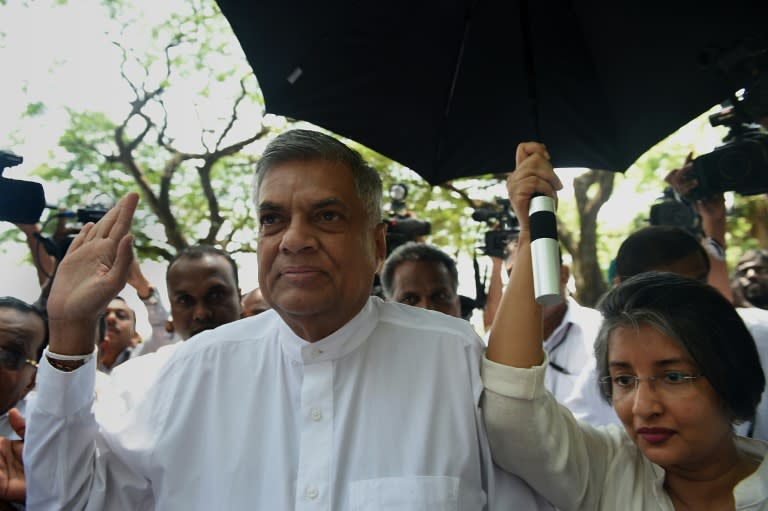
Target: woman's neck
(710,487)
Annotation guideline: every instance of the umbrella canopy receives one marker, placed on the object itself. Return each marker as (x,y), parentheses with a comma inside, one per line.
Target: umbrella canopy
(449,87)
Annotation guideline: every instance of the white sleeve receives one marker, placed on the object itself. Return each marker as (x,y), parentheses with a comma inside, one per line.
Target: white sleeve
(534,437)
(157,315)
(69,459)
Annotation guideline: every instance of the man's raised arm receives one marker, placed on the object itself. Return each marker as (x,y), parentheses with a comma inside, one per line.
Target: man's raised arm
(68,463)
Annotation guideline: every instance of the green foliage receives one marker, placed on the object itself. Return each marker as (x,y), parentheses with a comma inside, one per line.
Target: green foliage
(34,109)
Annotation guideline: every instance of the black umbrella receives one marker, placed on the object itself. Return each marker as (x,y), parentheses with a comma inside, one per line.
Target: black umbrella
(448,88)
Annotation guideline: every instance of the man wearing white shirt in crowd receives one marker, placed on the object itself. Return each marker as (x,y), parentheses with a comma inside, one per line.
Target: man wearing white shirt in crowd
(569,328)
(331,400)
(204,293)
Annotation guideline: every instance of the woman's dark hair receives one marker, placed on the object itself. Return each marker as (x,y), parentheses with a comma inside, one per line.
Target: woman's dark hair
(701,321)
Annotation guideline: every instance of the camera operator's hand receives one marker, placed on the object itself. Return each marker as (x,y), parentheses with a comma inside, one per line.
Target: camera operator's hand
(712,212)
(94,270)
(711,209)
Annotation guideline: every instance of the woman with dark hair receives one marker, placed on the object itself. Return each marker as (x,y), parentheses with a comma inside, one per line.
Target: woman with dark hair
(677,364)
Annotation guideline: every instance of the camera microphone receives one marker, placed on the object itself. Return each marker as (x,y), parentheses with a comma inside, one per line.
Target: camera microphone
(544,250)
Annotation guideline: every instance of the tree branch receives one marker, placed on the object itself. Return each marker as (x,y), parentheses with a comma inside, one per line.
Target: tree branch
(566,239)
(233,117)
(449,186)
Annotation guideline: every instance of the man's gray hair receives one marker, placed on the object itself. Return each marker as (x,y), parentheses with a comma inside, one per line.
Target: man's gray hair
(313,145)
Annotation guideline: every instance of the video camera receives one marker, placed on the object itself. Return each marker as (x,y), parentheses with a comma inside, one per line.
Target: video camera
(671,209)
(505,227)
(401,227)
(23,202)
(741,163)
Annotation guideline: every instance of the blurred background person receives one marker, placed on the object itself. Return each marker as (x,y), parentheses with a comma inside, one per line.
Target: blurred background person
(750,279)
(120,337)
(203,286)
(423,276)
(23,336)
(253,303)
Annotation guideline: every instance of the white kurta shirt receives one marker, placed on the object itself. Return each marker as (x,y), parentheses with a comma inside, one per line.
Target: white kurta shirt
(382,414)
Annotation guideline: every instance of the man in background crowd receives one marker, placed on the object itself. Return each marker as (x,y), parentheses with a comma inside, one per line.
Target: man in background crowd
(253,303)
(203,288)
(423,276)
(750,279)
(569,328)
(23,335)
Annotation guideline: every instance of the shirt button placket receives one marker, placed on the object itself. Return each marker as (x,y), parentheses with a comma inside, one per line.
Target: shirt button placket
(316,443)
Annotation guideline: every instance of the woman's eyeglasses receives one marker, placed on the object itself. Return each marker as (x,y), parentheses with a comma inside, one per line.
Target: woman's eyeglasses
(672,383)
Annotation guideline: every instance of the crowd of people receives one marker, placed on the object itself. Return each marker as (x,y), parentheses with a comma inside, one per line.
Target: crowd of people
(308,392)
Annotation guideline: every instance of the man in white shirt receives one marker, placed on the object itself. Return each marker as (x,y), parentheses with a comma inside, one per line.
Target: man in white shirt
(569,328)
(331,400)
(204,292)
(423,276)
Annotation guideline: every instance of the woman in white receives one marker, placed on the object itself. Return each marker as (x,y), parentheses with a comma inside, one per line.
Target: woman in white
(677,364)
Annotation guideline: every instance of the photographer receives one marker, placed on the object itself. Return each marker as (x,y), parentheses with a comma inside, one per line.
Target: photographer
(711,209)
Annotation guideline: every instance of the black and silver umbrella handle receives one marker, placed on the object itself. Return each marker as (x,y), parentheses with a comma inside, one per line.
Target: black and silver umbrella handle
(544,250)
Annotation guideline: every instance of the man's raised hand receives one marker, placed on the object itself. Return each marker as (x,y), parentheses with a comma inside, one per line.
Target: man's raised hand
(94,270)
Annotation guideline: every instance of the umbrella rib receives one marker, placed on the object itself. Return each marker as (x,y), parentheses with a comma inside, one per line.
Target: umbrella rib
(459,60)
(454,80)
(530,67)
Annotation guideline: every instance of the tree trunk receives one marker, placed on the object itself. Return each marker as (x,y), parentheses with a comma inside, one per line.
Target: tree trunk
(590,284)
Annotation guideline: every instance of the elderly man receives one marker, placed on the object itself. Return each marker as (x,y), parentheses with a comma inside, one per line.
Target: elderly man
(324,402)
(423,276)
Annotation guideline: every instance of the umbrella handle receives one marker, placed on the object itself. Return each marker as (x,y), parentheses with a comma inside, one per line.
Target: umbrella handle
(545,252)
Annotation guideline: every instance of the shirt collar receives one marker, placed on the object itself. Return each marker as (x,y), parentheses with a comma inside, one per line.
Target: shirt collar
(341,342)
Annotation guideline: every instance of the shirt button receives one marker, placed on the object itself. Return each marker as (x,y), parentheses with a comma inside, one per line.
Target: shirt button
(312,493)
(316,414)
(316,352)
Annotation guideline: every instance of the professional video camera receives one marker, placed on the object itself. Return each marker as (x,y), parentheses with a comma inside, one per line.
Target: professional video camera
(401,227)
(23,202)
(671,209)
(505,227)
(741,163)
(58,244)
